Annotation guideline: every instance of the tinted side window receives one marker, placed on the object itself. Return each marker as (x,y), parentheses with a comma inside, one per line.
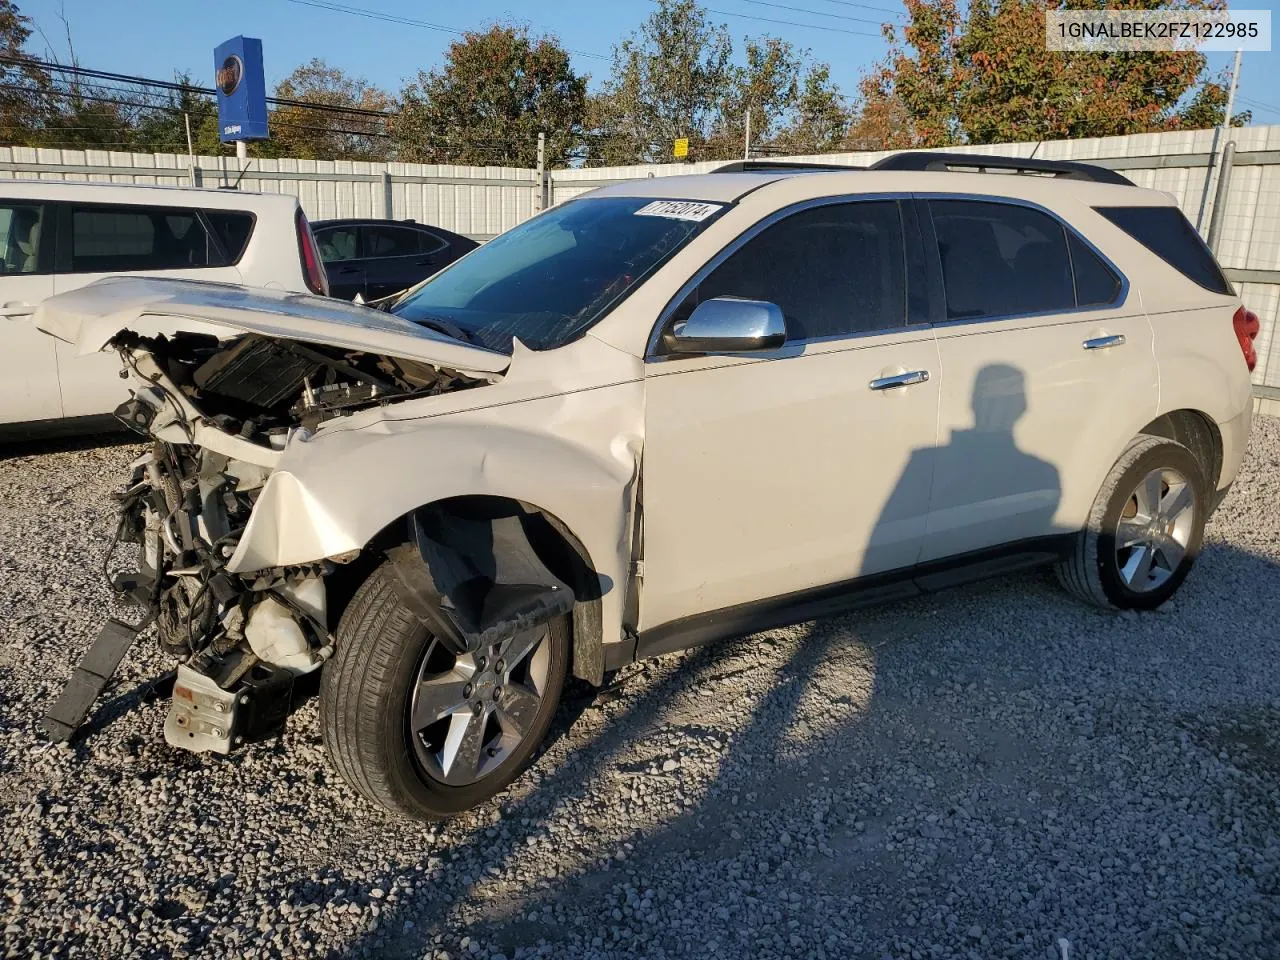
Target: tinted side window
(1001,259)
(429,242)
(834,270)
(390,242)
(1167,233)
(22,227)
(337,244)
(121,239)
(1095,283)
(233,228)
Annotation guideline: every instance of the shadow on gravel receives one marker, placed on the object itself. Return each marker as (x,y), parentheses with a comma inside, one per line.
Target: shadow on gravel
(14,445)
(933,710)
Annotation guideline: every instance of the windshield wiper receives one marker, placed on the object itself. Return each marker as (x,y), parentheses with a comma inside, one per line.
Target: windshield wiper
(445,327)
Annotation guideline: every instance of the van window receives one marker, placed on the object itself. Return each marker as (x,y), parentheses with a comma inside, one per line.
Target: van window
(1169,235)
(123,239)
(21,230)
(233,228)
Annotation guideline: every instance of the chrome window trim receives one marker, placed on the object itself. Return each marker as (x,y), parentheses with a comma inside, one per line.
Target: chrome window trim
(1121,297)
(650,353)
(1119,300)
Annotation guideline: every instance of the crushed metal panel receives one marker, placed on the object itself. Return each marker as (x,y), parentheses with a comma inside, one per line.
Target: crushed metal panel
(547,435)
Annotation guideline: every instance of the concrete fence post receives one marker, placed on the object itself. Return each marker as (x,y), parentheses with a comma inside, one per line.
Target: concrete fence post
(388,198)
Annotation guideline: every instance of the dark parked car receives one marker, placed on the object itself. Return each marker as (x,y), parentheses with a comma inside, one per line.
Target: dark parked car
(375,258)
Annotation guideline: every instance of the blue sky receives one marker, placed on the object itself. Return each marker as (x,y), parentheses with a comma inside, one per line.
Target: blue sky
(149,38)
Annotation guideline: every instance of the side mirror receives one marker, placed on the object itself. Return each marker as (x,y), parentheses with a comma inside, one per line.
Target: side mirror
(730,325)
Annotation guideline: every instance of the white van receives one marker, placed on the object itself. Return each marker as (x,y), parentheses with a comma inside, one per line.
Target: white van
(57,236)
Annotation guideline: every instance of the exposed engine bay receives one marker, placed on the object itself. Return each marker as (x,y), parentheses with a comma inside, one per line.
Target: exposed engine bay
(241,641)
(259,387)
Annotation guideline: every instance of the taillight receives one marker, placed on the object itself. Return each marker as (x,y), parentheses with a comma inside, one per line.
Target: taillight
(312,272)
(1247,326)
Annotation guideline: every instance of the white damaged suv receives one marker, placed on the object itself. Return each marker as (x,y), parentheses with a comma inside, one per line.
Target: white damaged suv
(668,411)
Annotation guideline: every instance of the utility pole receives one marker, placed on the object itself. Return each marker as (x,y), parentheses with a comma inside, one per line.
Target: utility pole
(191,153)
(1220,145)
(1231,92)
(540,196)
(746,140)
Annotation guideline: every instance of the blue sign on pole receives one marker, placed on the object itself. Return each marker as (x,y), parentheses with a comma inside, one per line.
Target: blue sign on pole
(242,90)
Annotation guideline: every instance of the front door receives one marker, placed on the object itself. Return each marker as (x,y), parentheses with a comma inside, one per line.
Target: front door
(1042,352)
(772,474)
(28,363)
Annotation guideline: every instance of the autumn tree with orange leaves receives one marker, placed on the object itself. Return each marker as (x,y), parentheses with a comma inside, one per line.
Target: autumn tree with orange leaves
(986,77)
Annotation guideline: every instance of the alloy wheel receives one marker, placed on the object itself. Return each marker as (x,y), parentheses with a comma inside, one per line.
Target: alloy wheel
(1154,529)
(470,712)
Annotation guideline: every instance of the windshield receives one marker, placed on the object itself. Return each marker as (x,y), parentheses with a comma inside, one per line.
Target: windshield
(551,278)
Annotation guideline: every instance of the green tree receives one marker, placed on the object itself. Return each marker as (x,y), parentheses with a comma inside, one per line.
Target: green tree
(820,117)
(22,84)
(328,133)
(164,128)
(497,90)
(766,87)
(670,79)
(985,76)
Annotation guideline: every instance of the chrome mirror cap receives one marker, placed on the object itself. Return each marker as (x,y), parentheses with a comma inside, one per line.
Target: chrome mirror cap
(730,325)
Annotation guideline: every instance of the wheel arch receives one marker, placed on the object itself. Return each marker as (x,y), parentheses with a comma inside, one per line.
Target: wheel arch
(551,539)
(1197,432)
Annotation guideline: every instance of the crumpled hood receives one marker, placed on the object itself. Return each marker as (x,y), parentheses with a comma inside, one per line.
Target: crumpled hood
(91,316)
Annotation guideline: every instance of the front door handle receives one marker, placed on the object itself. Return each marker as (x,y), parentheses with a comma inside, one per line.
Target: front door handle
(899,380)
(1101,343)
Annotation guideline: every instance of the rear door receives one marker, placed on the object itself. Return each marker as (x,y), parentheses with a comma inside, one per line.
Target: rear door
(340,253)
(1045,352)
(103,240)
(28,362)
(396,257)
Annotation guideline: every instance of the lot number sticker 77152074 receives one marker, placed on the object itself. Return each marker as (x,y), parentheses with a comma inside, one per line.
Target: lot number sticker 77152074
(678,209)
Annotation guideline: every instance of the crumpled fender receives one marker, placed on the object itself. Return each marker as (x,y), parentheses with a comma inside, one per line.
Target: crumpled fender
(575,455)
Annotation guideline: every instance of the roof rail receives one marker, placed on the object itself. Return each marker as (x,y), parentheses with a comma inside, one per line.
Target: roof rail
(933,160)
(764,166)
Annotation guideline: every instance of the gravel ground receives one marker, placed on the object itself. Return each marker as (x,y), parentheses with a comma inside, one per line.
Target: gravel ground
(991,772)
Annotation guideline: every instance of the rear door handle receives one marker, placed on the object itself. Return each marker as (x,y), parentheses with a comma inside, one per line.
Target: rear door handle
(1101,343)
(899,380)
(17,308)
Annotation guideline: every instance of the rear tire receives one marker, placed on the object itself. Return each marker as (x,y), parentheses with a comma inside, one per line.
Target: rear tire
(1144,531)
(368,708)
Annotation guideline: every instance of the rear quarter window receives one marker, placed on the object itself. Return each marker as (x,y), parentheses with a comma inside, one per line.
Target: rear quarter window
(233,228)
(1169,235)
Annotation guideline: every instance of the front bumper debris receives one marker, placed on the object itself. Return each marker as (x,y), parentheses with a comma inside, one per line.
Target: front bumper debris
(89,679)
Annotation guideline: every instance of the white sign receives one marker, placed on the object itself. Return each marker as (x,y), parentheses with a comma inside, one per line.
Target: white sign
(679,210)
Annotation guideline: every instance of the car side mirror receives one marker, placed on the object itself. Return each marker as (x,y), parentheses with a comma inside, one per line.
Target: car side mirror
(730,325)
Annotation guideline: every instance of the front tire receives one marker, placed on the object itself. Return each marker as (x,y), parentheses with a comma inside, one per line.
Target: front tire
(1144,531)
(421,732)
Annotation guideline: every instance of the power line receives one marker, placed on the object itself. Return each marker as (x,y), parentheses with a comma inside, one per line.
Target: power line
(181,87)
(404,21)
(814,13)
(789,23)
(862,6)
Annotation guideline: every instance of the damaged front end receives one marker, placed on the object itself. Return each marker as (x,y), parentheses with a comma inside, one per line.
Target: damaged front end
(220,413)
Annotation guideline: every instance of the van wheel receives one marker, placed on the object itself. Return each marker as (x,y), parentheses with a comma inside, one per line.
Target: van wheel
(425,733)
(1144,531)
